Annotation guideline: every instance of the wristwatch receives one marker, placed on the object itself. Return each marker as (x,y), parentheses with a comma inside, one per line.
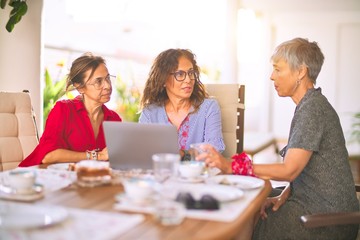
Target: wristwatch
(92,155)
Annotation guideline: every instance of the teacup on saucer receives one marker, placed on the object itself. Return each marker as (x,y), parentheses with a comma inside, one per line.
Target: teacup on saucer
(191,169)
(21,181)
(36,189)
(138,189)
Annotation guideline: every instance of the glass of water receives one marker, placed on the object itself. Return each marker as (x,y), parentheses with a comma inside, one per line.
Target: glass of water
(165,166)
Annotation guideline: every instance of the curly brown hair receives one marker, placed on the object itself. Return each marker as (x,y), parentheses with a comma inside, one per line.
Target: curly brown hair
(164,64)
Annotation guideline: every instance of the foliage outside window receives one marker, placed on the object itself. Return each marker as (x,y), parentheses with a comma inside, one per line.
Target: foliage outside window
(128,100)
(54,90)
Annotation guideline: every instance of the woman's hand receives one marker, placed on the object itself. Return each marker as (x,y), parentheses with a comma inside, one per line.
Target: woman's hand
(103,155)
(213,158)
(276,202)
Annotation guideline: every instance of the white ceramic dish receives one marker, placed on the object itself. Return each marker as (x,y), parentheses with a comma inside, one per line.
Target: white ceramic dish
(191,180)
(20,216)
(221,192)
(104,180)
(138,188)
(242,182)
(8,193)
(59,166)
(21,179)
(191,169)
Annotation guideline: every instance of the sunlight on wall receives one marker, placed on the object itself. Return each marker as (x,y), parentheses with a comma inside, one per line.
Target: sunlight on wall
(251,52)
(92,11)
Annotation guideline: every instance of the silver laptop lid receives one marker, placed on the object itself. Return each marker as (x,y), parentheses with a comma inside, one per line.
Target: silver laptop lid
(131,145)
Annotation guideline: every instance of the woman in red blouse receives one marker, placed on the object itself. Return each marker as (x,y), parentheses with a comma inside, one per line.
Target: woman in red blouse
(73,130)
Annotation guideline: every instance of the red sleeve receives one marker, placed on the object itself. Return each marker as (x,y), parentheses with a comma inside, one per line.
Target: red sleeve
(52,138)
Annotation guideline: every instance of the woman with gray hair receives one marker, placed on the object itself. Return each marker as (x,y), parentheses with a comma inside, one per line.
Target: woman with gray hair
(315,160)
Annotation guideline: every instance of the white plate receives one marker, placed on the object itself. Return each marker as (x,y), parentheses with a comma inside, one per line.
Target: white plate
(191,180)
(21,216)
(221,192)
(59,166)
(242,182)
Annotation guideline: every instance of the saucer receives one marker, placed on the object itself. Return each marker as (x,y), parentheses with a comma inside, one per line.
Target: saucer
(94,182)
(123,198)
(191,180)
(36,192)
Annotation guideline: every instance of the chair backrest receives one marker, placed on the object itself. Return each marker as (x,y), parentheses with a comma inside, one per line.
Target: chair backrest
(231,98)
(18,132)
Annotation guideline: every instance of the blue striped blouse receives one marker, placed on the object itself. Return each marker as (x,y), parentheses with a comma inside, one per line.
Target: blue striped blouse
(205,124)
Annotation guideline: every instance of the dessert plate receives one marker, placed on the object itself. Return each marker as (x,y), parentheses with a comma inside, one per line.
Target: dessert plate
(21,216)
(59,166)
(103,180)
(238,181)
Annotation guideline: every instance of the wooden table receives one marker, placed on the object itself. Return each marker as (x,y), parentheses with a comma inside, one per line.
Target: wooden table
(102,198)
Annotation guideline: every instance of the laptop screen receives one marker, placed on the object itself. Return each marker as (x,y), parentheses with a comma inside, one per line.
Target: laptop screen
(131,145)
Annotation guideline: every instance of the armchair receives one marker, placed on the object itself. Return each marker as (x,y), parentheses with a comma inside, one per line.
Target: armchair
(18,132)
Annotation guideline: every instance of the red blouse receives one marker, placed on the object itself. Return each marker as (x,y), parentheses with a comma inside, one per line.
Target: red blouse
(68,127)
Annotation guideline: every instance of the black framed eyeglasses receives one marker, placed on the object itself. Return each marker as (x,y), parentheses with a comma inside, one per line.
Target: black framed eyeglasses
(99,82)
(181,75)
(207,201)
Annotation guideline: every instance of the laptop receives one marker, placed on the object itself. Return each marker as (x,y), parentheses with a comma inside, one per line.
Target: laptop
(131,145)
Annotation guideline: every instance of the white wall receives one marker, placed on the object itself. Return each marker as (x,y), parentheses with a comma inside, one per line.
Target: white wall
(20,54)
(338,35)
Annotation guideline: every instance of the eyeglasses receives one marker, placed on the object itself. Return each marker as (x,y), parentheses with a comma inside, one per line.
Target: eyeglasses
(100,82)
(207,201)
(181,75)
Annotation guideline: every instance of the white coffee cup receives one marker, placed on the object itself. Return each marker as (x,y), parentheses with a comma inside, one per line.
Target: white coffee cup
(21,180)
(138,189)
(191,169)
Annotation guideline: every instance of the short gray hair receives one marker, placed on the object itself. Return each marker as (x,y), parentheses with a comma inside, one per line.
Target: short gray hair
(300,52)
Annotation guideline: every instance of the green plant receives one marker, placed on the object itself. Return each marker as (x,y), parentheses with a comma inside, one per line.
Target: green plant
(19,9)
(355,133)
(128,101)
(53,91)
